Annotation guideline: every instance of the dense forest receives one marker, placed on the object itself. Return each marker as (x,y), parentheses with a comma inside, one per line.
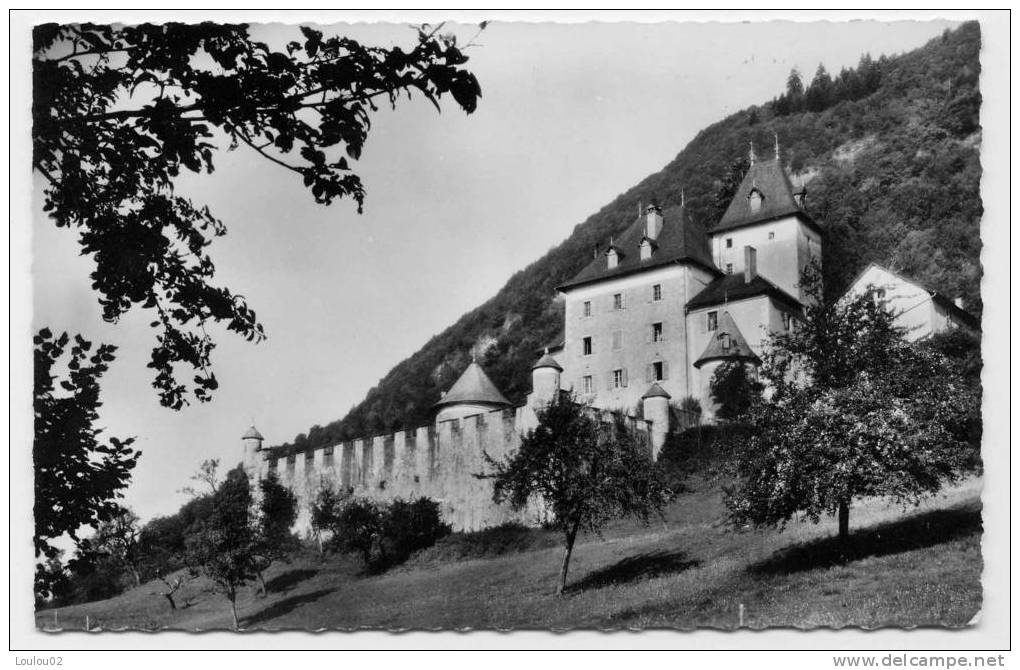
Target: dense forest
(889,153)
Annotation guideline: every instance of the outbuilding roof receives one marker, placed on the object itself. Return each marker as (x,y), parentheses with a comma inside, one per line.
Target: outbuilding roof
(727,343)
(473,387)
(770,180)
(680,240)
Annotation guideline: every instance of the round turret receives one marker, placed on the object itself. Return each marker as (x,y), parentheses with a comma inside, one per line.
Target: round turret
(545,381)
(252,441)
(472,393)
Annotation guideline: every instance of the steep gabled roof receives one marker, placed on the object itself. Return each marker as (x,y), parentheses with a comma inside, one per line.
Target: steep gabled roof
(474,387)
(727,333)
(770,179)
(681,240)
(729,288)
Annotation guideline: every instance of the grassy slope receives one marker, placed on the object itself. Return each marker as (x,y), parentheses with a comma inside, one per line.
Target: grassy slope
(895,180)
(923,568)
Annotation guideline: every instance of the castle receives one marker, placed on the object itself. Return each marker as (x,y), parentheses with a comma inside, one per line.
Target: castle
(647,323)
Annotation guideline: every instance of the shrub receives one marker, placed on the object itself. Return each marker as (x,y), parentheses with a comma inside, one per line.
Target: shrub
(409,526)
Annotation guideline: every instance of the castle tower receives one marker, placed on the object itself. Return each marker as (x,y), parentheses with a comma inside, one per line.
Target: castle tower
(766,213)
(545,381)
(472,393)
(655,406)
(252,441)
(727,344)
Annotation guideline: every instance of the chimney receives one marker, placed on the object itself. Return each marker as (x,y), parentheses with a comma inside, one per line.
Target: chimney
(800,196)
(653,221)
(958,302)
(750,264)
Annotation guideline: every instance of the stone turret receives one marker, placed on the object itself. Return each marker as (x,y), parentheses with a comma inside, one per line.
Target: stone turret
(252,441)
(472,393)
(545,381)
(655,406)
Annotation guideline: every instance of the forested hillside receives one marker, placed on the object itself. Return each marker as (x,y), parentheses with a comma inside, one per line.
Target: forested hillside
(889,153)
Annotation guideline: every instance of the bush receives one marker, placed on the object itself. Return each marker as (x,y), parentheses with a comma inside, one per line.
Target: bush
(409,526)
(705,450)
(386,535)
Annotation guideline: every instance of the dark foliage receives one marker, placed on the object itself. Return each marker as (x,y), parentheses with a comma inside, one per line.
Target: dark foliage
(276,513)
(409,526)
(383,534)
(853,410)
(119,111)
(78,478)
(220,546)
(734,388)
(908,198)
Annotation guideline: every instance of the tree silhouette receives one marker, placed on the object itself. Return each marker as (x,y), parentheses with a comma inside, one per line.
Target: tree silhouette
(77,476)
(585,468)
(120,111)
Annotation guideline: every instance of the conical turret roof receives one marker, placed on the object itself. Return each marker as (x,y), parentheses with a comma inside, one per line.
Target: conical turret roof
(656,391)
(728,343)
(473,387)
(252,434)
(547,361)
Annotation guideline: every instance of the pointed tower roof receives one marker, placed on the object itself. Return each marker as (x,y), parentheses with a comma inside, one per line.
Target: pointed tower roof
(769,178)
(728,343)
(656,391)
(547,361)
(252,434)
(474,387)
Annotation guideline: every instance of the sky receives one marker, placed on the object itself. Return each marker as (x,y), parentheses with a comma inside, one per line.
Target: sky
(571,116)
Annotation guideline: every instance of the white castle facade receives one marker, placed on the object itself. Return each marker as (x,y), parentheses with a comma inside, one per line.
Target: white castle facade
(647,323)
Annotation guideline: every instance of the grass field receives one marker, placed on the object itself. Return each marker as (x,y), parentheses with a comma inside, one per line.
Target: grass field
(917,567)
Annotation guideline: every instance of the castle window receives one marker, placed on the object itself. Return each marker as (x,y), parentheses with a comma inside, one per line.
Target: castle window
(657,332)
(646,250)
(658,371)
(617,339)
(713,320)
(725,337)
(612,259)
(729,242)
(587,307)
(786,321)
(586,385)
(729,268)
(755,199)
(878,294)
(619,379)
(772,235)
(586,346)
(657,292)
(617,301)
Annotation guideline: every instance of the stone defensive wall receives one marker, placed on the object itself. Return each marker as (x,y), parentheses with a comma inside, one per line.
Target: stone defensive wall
(444,461)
